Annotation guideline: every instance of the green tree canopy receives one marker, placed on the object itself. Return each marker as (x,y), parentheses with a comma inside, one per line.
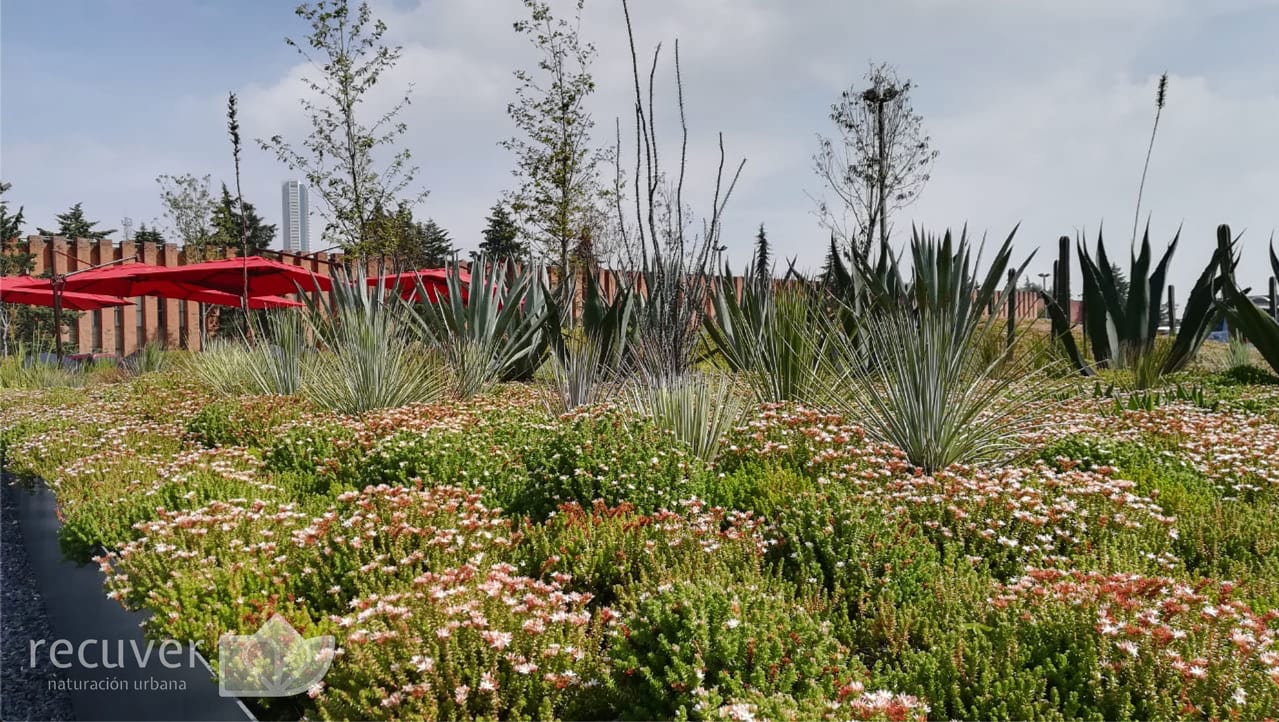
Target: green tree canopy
(501,236)
(228,228)
(73,224)
(10,225)
(148,235)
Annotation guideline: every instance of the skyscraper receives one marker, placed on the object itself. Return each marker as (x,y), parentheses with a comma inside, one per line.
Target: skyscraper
(294,217)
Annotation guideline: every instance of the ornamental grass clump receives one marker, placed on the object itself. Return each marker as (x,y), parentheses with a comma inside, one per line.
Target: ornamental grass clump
(697,408)
(369,360)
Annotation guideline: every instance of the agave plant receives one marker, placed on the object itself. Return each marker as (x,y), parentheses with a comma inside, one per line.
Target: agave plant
(1120,328)
(1261,330)
(913,372)
(369,360)
(771,336)
(498,331)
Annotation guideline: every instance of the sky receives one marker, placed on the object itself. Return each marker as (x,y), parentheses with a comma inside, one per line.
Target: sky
(1041,109)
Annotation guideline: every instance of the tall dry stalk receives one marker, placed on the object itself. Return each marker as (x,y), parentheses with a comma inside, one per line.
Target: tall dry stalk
(1161,95)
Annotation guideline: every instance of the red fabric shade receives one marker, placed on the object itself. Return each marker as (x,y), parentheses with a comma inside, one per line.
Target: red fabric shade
(39,292)
(434,281)
(138,279)
(265,277)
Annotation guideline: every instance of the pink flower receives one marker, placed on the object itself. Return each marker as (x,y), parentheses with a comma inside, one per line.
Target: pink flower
(497,640)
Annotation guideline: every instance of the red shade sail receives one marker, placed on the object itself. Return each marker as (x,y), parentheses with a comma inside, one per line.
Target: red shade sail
(265,277)
(138,279)
(434,281)
(39,292)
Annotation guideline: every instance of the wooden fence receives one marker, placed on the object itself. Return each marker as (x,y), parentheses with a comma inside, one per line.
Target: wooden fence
(176,324)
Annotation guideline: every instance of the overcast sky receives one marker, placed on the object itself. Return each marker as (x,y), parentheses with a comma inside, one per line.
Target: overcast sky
(1041,110)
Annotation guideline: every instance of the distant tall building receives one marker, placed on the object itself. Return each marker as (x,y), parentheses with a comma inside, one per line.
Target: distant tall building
(294,215)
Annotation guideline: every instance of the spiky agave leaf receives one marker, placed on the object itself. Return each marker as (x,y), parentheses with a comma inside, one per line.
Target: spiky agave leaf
(1201,308)
(1261,330)
(1062,334)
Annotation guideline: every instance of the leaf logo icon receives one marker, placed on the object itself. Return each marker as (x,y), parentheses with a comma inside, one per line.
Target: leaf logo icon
(274,661)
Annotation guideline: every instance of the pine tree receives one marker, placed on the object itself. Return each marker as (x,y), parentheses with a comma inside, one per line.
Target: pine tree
(437,247)
(73,224)
(1121,281)
(227,228)
(10,225)
(501,236)
(762,262)
(148,235)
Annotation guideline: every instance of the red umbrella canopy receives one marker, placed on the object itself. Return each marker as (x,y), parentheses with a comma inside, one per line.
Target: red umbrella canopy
(39,292)
(434,281)
(265,276)
(139,279)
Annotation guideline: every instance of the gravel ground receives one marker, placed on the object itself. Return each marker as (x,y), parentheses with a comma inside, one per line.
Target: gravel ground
(24,693)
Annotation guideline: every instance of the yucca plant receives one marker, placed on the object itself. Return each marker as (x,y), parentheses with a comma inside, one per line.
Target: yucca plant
(148,359)
(771,336)
(609,320)
(913,372)
(499,331)
(228,366)
(1120,328)
(281,347)
(369,360)
(1261,330)
(698,408)
(580,374)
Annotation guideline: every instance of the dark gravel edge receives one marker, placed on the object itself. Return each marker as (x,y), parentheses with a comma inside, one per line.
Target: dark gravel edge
(24,692)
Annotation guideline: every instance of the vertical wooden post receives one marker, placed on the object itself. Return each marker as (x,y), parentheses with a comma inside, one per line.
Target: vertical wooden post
(1172,310)
(109,316)
(151,330)
(1012,309)
(128,333)
(85,325)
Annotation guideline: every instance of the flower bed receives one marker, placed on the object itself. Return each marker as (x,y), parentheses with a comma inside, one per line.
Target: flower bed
(491,559)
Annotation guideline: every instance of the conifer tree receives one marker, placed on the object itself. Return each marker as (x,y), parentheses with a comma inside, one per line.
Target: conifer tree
(501,236)
(73,224)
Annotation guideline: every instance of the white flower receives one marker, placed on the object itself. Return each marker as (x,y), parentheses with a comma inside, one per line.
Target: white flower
(1240,696)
